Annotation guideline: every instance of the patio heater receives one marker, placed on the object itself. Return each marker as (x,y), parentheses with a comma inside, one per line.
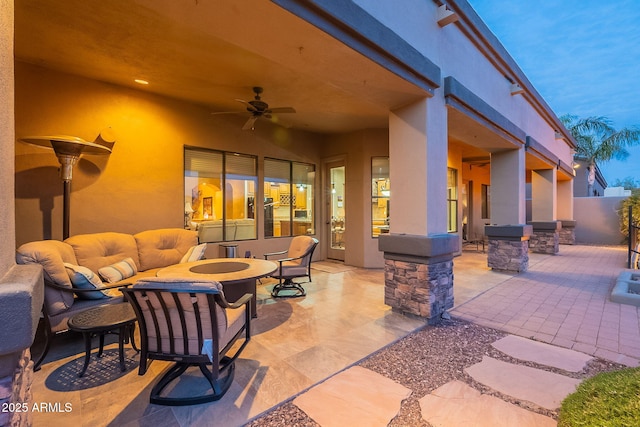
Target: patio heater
(68,150)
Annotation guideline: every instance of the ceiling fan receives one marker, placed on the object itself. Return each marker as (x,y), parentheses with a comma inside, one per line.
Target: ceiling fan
(257,108)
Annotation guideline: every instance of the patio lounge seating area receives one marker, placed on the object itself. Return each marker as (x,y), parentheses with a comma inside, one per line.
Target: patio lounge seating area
(296,343)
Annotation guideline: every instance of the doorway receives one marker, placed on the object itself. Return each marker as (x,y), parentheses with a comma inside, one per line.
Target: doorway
(336,209)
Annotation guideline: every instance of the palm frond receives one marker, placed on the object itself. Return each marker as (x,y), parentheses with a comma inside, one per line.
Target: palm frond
(597,139)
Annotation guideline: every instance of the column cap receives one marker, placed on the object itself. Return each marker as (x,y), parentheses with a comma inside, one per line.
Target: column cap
(545,225)
(517,231)
(413,247)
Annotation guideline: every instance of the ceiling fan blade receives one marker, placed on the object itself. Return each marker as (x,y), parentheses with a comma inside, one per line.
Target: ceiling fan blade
(247,104)
(281,110)
(249,125)
(227,112)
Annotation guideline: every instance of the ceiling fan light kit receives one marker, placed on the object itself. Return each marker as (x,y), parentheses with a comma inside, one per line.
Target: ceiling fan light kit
(257,108)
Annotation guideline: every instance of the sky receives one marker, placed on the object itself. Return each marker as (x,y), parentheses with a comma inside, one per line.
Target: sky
(582,56)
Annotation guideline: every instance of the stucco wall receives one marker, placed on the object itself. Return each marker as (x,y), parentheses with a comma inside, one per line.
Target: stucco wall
(7,138)
(451,50)
(361,247)
(597,220)
(140,185)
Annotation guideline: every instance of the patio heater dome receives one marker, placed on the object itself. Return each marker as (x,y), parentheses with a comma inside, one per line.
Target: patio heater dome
(68,150)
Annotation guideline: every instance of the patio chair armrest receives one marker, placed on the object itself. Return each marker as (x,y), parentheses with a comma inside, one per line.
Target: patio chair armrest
(281,260)
(274,253)
(243,300)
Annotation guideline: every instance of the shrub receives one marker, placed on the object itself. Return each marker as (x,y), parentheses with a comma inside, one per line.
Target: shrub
(634,202)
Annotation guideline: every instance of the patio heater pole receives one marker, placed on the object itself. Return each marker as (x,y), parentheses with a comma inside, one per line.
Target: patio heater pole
(68,150)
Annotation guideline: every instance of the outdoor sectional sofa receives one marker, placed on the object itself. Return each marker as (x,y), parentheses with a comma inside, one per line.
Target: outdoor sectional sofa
(235,229)
(107,260)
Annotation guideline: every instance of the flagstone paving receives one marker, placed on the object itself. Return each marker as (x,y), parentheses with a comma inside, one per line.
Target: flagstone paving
(546,389)
(542,353)
(355,397)
(359,396)
(455,404)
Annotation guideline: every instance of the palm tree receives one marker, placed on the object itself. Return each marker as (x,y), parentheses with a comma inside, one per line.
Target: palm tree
(598,141)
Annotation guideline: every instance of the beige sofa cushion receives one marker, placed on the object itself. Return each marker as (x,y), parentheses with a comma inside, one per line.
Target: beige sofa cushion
(51,255)
(98,250)
(210,231)
(164,247)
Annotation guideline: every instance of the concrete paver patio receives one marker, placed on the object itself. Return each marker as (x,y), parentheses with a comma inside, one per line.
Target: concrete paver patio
(564,300)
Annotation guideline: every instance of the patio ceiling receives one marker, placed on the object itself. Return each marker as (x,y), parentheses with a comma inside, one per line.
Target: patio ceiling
(212,53)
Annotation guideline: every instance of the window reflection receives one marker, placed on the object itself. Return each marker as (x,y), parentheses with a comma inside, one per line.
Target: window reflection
(380,195)
(220,194)
(288,198)
(452,200)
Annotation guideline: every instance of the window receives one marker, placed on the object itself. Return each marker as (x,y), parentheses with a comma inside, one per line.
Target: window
(219,195)
(486,201)
(288,198)
(452,200)
(380,193)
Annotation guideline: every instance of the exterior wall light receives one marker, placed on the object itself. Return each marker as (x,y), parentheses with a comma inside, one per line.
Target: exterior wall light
(516,89)
(446,16)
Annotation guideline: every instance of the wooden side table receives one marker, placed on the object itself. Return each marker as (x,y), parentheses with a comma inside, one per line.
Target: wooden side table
(108,318)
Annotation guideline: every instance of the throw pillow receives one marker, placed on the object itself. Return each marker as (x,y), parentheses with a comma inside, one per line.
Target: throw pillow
(119,271)
(195,253)
(84,278)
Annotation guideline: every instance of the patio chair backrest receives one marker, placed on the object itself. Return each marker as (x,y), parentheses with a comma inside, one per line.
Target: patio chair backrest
(178,315)
(300,246)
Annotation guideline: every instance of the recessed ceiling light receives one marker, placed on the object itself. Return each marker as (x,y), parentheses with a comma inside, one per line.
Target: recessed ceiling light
(141,82)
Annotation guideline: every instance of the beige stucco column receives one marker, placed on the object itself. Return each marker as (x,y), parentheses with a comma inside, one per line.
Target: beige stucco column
(418,167)
(546,228)
(419,252)
(508,205)
(543,194)
(509,235)
(565,213)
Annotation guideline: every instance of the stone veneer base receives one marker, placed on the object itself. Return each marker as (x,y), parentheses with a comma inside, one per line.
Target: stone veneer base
(425,290)
(568,232)
(16,390)
(508,255)
(508,246)
(419,273)
(545,242)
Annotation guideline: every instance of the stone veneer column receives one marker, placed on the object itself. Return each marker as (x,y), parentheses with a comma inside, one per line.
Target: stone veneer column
(568,232)
(419,273)
(508,247)
(21,297)
(15,389)
(546,237)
